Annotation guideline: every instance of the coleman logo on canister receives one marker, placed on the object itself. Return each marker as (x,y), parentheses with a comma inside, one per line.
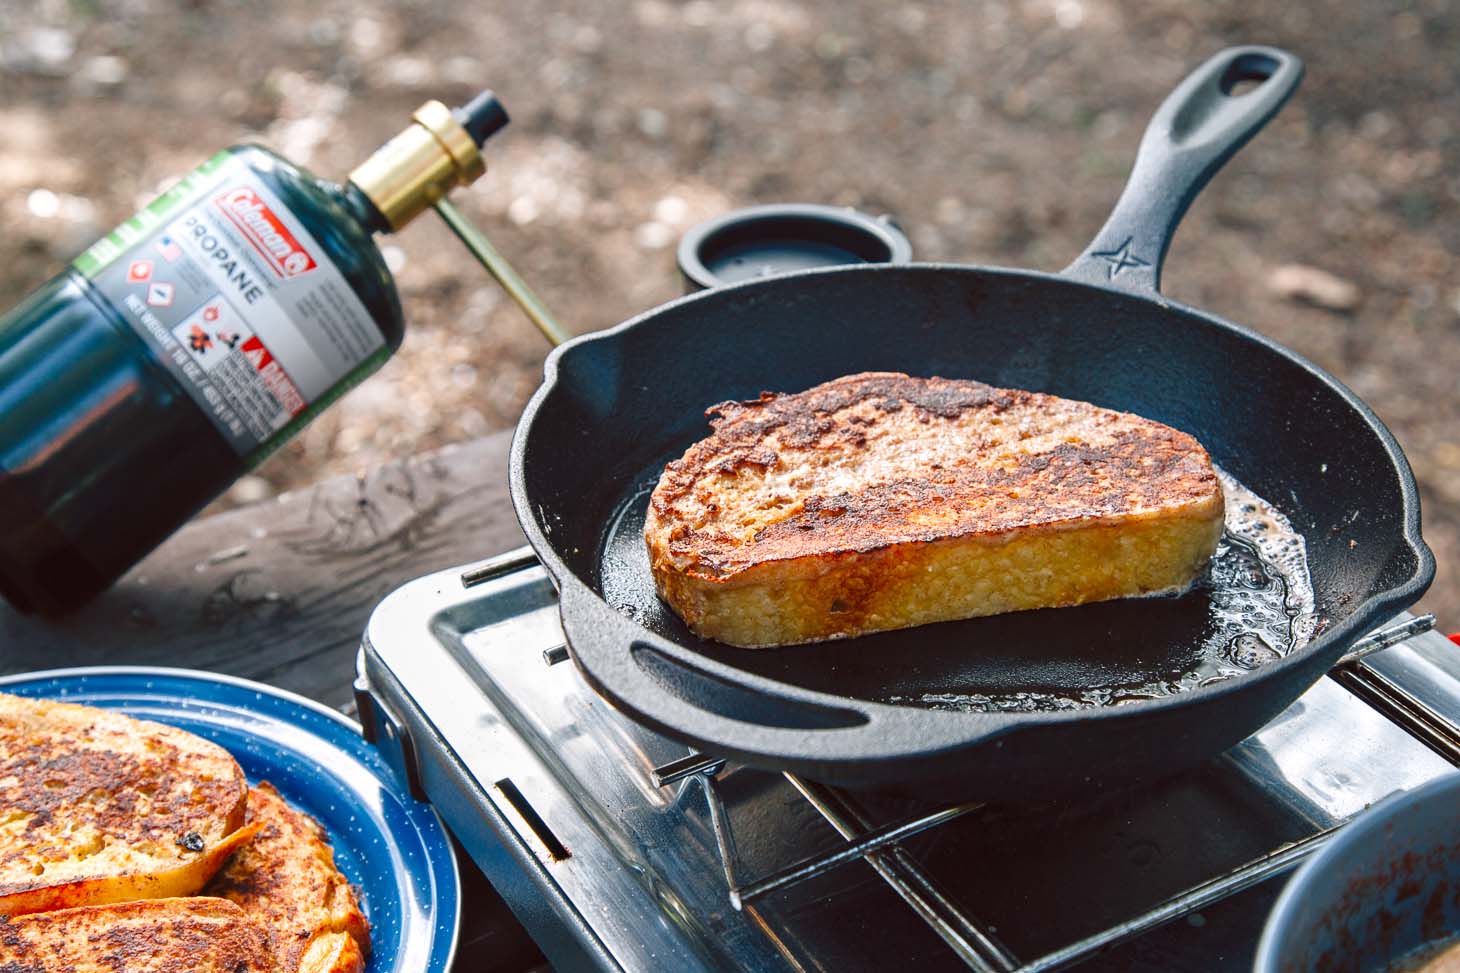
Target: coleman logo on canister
(264,231)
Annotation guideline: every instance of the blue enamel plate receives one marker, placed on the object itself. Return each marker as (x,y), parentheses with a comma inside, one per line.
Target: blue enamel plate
(393,848)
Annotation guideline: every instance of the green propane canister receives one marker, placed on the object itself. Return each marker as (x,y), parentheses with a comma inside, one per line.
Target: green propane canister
(179,351)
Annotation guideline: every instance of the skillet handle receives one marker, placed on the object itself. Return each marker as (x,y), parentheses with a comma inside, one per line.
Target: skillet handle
(1198,127)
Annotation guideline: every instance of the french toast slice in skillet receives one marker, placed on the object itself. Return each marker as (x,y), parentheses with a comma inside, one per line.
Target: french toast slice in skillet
(880,501)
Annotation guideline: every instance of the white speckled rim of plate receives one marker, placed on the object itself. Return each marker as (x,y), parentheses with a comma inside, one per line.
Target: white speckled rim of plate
(394,849)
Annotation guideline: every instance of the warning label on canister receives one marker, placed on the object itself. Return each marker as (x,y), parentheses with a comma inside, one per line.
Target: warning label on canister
(237,360)
(237,300)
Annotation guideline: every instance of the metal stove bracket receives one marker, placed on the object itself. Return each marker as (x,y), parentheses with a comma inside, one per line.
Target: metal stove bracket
(704,775)
(1387,637)
(495,567)
(380,726)
(696,764)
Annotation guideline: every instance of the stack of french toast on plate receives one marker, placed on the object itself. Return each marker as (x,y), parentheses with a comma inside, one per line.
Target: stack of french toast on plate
(132,846)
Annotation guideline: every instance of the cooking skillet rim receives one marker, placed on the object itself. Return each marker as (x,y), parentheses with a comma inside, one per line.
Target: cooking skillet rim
(1367,613)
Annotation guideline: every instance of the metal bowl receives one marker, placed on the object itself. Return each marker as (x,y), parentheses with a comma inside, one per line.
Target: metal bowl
(1386,885)
(762,241)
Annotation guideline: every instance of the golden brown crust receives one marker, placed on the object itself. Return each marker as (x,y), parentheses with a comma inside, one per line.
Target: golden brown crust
(846,489)
(1018,460)
(287,879)
(192,935)
(98,807)
(87,797)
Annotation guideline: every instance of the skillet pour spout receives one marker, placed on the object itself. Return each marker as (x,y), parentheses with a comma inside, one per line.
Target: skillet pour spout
(617,405)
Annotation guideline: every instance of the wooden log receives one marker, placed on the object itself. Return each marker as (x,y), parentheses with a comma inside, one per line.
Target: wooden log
(280,591)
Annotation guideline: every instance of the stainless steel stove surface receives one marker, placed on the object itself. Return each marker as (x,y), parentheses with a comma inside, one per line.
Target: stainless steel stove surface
(618,849)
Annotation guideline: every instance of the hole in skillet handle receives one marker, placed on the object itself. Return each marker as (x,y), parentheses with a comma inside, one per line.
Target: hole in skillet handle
(1247,73)
(1220,106)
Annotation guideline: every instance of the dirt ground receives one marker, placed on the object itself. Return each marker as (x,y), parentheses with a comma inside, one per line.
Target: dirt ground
(995,132)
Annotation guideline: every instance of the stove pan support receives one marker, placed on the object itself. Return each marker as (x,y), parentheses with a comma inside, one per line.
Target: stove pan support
(974,943)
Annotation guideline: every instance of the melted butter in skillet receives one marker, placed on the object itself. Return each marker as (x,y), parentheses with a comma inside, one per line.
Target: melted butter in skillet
(1253,604)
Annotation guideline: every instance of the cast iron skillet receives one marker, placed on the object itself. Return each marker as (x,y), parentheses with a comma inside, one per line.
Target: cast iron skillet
(617,405)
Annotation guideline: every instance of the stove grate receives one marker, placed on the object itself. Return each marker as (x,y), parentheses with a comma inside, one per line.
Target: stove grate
(976,944)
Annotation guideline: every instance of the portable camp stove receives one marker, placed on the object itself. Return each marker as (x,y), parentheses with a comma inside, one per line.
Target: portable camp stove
(619,850)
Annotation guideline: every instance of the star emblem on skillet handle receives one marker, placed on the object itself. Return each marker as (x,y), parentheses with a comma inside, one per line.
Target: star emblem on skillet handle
(1120,258)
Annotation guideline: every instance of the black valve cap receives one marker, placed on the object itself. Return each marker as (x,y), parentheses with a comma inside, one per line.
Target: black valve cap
(481,117)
